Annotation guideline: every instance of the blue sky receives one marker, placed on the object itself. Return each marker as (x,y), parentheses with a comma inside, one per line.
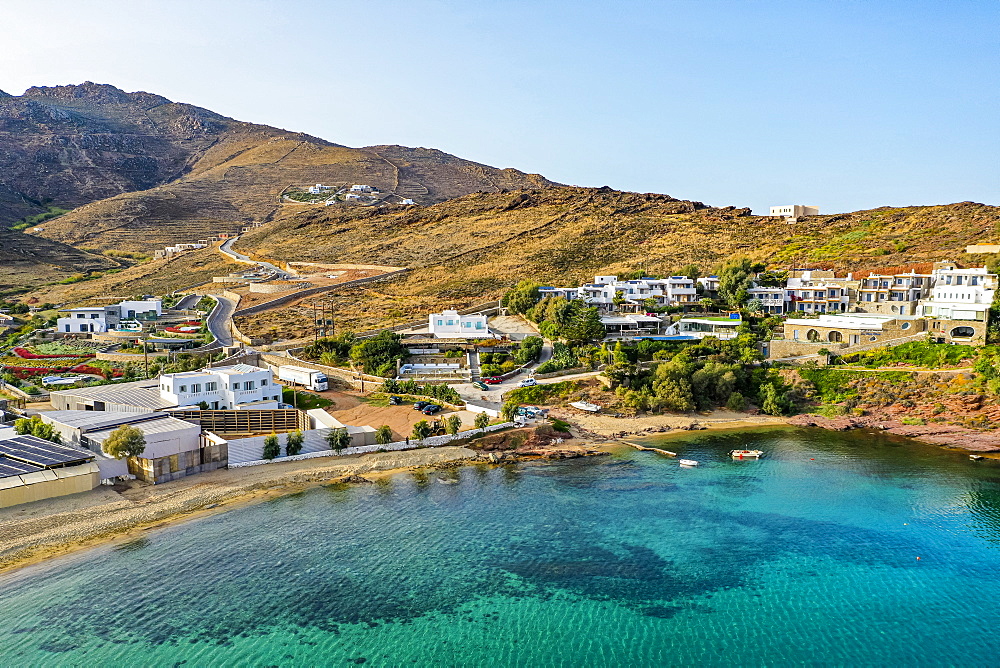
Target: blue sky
(842,104)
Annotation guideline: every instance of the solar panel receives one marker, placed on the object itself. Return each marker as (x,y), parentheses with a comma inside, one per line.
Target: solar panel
(9,467)
(41,453)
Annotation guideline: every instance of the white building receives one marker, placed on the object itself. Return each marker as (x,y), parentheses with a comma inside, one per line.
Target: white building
(721,327)
(794,210)
(240,386)
(959,294)
(605,290)
(318,188)
(362,189)
(105,318)
(450,325)
(407,202)
(631,325)
(814,291)
(772,300)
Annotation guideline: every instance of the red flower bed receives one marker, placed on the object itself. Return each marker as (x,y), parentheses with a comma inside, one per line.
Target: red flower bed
(28,355)
(192,323)
(23,372)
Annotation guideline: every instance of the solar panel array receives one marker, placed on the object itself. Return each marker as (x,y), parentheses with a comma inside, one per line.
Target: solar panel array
(9,467)
(41,453)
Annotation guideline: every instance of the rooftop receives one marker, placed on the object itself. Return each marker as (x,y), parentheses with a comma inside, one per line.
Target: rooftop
(161,425)
(141,394)
(21,455)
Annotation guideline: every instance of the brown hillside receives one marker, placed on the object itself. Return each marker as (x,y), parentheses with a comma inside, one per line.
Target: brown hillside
(472,248)
(27,261)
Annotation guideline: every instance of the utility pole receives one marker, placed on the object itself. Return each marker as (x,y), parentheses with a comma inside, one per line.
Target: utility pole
(145,355)
(315,325)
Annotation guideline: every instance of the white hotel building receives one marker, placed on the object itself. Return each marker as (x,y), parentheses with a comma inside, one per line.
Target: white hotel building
(603,291)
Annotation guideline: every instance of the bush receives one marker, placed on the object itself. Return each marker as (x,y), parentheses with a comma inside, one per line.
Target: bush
(293,445)
(125,441)
(272,448)
(482,420)
(736,402)
(560,425)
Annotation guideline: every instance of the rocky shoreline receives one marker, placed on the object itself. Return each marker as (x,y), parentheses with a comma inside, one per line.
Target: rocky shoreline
(947,435)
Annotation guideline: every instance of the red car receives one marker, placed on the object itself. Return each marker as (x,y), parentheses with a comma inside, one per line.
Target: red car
(492,380)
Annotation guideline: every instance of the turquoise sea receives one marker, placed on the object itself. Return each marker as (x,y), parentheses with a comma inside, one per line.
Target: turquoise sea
(808,556)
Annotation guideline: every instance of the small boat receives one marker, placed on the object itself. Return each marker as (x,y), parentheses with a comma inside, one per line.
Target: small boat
(586,406)
(975,458)
(687,462)
(746,454)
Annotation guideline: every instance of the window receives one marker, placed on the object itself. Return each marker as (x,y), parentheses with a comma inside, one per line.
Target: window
(183,388)
(451,322)
(195,388)
(211,387)
(480,325)
(263,382)
(440,322)
(236,386)
(83,328)
(248,385)
(974,280)
(66,328)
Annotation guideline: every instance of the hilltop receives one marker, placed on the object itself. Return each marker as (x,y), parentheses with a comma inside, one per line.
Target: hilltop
(142,172)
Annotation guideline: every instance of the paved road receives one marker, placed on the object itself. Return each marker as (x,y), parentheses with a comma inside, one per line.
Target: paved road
(227,248)
(187,302)
(218,324)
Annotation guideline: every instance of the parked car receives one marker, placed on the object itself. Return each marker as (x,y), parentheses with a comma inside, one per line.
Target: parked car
(395,401)
(480,384)
(285,406)
(431,409)
(492,380)
(419,406)
(528,382)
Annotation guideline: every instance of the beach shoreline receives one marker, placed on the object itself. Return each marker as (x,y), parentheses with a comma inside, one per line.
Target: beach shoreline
(39,531)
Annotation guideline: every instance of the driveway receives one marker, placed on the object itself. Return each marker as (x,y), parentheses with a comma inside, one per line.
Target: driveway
(227,249)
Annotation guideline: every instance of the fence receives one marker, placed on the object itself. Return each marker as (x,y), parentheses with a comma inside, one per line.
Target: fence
(433,441)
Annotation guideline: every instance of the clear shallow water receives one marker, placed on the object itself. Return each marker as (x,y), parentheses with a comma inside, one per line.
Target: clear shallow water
(808,556)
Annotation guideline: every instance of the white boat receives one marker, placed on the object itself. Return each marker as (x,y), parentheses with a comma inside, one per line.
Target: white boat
(975,458)
(584,406)
(746,454)
(687,462)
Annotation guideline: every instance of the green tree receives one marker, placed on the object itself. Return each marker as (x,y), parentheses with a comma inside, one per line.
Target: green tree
(125,441)
(771,400)
(736,402)
(509,410)
(379,351)
(672,386)
(338,439)
(272,448)
(35,427)
(421,430)
(734,280)
(692,271)
(293,443)
(383,435)
(482,420)
(522,297)
(452,424)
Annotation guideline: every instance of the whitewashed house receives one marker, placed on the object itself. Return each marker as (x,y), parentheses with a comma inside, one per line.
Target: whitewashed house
(959,294)
(794,210)
(105,318)
(450,325)
(230,387)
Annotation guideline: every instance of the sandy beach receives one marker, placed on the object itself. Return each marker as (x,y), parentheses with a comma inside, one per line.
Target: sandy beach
(36,531)
(598,425)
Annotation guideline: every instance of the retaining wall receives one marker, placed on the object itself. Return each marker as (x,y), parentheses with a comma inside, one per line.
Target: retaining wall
(433,441)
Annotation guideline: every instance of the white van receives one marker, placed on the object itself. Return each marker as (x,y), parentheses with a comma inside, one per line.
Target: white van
(528,382)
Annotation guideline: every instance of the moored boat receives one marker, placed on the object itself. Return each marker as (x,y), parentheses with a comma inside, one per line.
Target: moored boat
(746,454)
(687,462)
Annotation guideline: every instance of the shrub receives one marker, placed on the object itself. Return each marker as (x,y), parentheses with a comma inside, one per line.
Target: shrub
(383,435)
(338,439)
(272,448)
(736,402)
(421,430)
(482,420)
(560,425)
(293,444)
(913,421)
(452,424)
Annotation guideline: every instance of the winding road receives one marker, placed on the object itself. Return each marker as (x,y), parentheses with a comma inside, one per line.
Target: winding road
(227,249)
